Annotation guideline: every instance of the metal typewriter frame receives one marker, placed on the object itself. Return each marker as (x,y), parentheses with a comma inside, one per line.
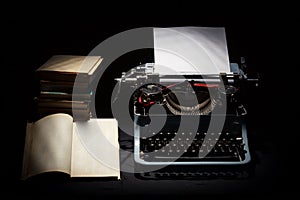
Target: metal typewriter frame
(144,74)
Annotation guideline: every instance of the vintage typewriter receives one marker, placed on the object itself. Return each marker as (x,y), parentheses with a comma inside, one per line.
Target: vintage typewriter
(188,106)
(201,118)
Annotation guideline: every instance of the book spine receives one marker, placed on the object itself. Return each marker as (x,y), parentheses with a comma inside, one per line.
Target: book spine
(65,96)
(63,104)
(63,76)
(65,88)
(77,114)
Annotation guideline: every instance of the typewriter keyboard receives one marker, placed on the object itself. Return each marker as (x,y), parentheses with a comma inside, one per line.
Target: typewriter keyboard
(184,147)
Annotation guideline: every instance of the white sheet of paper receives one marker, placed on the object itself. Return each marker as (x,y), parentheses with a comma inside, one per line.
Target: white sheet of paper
(190,50)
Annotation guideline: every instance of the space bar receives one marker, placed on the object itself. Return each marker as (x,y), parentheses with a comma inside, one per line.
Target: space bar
(207,158)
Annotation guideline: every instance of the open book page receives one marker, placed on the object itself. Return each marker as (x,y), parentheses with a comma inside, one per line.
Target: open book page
(95,149)
(48,145)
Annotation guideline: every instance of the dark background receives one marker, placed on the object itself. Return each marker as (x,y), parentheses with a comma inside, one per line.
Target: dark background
(29,41)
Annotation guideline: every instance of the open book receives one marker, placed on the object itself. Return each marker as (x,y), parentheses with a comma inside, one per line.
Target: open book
(81,149)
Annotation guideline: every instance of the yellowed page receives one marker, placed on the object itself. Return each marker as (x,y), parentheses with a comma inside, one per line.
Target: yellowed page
(48,145)
(71,64)
(95,149)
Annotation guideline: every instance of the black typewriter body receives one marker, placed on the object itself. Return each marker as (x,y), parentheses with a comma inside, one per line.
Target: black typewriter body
(210,106)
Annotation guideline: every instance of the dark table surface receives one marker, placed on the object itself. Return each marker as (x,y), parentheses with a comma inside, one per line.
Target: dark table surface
(266,176)
(30,43)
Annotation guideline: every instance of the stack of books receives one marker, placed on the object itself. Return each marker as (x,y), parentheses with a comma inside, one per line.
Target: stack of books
(66,85)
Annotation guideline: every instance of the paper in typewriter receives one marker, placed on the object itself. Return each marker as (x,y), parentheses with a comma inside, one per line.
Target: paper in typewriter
(190,50)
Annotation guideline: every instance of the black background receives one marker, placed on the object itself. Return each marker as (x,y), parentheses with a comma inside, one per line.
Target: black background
(29,41)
